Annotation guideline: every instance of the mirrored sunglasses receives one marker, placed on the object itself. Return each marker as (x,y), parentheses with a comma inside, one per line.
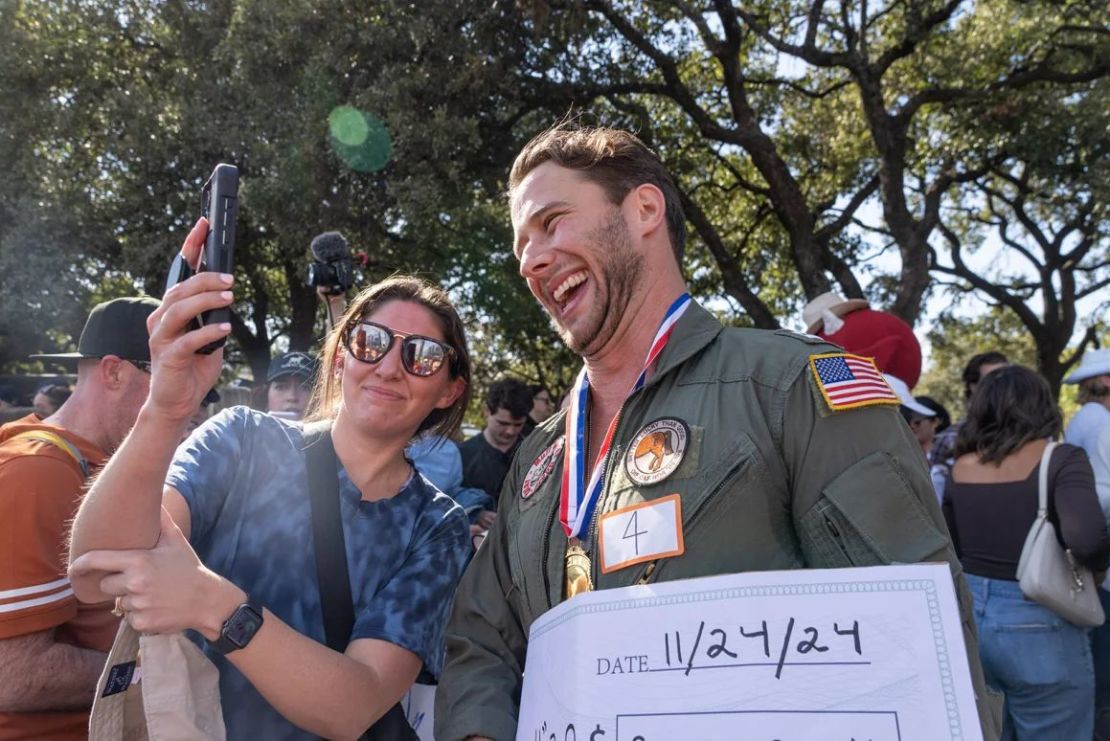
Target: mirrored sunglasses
(420,356)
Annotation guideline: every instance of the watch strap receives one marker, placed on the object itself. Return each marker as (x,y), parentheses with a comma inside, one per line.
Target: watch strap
(224,644)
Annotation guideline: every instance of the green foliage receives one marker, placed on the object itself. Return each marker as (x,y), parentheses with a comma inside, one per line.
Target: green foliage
(115,114)
(803,155)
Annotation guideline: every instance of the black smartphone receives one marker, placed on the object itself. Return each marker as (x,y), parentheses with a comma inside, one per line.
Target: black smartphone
(220,205)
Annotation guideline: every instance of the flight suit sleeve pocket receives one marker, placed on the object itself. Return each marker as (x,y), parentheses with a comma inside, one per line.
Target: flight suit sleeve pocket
(867,516)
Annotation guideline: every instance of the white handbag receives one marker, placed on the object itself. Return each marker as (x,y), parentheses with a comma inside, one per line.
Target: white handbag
(1048,574)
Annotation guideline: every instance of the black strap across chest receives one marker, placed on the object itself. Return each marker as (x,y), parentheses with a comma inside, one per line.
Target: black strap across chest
(331,566)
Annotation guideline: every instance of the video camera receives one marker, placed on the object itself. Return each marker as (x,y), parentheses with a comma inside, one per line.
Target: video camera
(332,267)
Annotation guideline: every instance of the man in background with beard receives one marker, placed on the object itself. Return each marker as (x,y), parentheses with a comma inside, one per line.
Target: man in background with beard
(747,427)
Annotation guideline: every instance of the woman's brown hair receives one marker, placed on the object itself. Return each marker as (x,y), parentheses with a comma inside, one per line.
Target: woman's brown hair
(1010,407)
(325,395)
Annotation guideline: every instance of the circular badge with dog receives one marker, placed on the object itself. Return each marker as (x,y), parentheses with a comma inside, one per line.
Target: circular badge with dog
(541,468)
(657,451)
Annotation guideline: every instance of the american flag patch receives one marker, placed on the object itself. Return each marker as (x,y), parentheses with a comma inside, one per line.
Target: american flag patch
(850,381)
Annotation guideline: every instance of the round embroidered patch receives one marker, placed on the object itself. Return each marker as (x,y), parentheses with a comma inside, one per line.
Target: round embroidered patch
(541,468)
(656,451)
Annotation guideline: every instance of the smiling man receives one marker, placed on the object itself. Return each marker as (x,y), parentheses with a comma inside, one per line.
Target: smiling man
(782,451)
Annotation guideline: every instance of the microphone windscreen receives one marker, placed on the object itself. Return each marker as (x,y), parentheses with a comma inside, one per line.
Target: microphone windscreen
(329,246)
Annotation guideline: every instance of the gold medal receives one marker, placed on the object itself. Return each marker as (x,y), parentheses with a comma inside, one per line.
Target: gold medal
(578,570)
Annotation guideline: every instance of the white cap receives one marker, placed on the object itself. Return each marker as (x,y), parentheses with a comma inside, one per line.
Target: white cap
(906,398)
(829,306)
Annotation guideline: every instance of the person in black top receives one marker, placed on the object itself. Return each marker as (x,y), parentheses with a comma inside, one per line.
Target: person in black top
(1039,660)
(487,455)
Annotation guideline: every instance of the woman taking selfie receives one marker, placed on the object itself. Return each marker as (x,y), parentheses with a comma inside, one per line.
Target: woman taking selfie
(228,521)
(1040,661)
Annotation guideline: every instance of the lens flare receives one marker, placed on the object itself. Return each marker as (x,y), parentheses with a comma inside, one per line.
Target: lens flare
(360,139)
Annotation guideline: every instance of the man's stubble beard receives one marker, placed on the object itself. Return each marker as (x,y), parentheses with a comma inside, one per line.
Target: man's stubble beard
(621,271)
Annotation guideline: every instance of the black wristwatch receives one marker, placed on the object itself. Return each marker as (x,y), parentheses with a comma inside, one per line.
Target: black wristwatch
(239,629)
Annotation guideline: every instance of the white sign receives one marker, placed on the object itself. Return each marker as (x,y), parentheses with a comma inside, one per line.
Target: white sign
(870,654)
(419,705)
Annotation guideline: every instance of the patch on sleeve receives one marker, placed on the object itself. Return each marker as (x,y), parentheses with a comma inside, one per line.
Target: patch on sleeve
(850,381)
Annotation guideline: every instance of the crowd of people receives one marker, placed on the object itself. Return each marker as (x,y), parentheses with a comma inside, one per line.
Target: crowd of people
(319,549)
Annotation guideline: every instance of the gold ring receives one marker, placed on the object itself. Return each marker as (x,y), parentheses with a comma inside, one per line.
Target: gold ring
(118,609)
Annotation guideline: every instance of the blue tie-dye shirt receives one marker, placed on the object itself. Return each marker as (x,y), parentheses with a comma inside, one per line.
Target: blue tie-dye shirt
(244,478)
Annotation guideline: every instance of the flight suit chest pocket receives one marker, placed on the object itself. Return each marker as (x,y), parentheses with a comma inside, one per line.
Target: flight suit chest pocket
(701,479)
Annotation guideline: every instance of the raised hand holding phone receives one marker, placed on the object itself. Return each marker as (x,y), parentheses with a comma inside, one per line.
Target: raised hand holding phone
(181,374)
(219,201)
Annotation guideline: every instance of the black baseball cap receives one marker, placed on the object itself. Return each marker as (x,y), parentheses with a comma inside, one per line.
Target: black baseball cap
(291,364)
(116,327)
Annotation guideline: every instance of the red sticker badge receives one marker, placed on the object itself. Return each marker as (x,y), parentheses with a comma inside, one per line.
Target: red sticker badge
(541,468)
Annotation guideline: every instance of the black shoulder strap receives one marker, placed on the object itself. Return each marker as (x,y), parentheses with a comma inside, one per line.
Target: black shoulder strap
(327,537)
(331,566)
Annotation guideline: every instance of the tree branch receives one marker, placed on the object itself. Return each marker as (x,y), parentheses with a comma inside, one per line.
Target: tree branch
(858,198)
(918,29)
(1089,336)
(675,89)
(793,85)
(808,52)
(1093,288)
(746,184)
(998,293)
(735,283)
(695,17)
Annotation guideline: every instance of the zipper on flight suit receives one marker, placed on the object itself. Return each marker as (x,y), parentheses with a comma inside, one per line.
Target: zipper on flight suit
(830,525)
(546,551)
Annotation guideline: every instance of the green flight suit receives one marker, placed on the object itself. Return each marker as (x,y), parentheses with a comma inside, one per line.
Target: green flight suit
(771,479)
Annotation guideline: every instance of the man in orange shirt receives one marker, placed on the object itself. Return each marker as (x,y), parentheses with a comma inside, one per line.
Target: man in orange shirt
(52,648)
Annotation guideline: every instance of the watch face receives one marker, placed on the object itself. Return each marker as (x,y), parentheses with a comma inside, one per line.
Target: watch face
(242,625)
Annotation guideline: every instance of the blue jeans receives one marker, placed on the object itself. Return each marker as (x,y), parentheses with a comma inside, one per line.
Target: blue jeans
(1041,662)
(1100,650)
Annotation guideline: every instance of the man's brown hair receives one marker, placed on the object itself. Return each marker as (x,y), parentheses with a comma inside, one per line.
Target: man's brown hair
(615,160)
(1093,389)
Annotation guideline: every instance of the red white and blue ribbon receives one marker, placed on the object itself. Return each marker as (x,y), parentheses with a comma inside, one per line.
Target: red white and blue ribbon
(578,497)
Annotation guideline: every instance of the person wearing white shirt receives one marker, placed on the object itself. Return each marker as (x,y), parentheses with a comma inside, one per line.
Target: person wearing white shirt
(1090,430)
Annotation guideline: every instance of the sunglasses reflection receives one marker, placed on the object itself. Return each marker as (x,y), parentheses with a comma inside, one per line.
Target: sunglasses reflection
(421,356)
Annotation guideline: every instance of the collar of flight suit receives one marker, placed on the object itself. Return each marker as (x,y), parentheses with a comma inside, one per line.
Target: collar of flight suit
(696,328)
(694,331)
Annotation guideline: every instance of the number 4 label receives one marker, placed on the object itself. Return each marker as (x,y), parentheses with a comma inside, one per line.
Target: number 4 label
(641,532)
